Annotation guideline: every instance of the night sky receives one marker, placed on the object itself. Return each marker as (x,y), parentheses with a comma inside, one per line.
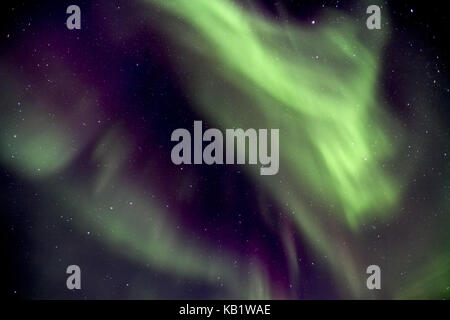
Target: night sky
(85,143)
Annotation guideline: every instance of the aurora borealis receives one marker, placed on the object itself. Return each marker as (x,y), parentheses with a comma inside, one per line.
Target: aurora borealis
(85,147)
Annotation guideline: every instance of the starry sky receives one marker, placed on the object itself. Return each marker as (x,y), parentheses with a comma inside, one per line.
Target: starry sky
(87,178)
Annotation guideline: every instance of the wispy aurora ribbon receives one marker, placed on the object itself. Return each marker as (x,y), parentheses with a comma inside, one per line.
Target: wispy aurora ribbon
(42,142)
(319,86)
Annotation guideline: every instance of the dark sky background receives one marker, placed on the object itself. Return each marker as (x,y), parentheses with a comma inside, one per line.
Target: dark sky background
(420,30)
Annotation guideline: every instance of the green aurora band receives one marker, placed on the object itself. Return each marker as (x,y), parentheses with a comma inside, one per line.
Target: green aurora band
(320,87)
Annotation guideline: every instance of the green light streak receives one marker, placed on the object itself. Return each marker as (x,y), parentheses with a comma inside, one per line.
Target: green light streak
(323,81)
